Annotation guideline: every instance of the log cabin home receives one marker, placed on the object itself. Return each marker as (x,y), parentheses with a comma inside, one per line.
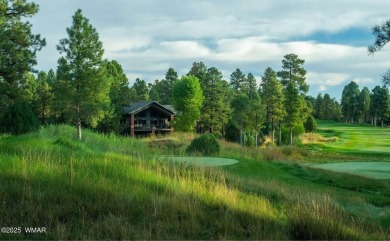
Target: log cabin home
(147,117)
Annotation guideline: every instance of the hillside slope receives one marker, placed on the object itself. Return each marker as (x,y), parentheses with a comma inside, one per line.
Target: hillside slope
(108,187)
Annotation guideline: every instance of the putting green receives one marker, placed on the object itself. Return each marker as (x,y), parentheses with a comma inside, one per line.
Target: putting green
(201,161)
(377,170)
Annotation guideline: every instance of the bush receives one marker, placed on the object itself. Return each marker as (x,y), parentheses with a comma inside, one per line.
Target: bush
(310,124)
(205,145)
(297,131)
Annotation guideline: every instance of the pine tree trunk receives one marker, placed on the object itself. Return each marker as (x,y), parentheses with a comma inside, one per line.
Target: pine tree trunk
(241,135)
(280,135)
(291,137)
(256,139)
(79,130)
(273,135)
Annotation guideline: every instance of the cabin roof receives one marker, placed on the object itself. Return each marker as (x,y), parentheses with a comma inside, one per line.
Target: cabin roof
(137,107)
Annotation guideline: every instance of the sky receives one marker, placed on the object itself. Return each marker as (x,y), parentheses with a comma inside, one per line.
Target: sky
(148,37)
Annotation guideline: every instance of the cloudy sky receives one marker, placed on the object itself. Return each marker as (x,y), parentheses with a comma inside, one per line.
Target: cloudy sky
(149,36)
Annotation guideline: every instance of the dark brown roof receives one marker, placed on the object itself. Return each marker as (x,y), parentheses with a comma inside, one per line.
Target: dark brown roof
(140,106)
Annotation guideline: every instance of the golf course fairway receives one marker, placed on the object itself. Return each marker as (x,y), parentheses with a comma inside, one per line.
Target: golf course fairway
(376,170)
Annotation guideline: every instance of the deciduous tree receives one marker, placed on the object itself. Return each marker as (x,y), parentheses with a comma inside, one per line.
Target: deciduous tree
(188,101)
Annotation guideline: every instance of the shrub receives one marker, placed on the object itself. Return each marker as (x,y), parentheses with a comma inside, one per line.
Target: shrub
(310,124)
(297,131)
(205,145)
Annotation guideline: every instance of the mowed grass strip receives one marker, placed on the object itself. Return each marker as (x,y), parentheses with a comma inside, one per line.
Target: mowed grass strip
(376,170)
(359,139)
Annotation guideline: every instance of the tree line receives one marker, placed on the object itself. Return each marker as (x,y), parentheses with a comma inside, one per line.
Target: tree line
(365,106)
(89,91)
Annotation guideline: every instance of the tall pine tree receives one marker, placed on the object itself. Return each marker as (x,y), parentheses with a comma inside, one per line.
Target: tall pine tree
(293,78)
(273,99)
(85,86)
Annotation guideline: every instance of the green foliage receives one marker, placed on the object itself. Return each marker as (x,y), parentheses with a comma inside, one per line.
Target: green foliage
(382,37)
(271,92)
(206,144)
(188,101)
(364,105)
(293,79)
(296,131)
(310,124)
(232,131)
(121,190)
(82,78)
(18,119)
(380,105)
(217,95)
(350,102)
(237,80)
(139,91)
(18,47)
(162,91)
(44,97)
(119,97)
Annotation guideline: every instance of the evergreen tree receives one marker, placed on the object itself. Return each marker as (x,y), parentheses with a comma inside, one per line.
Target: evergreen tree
(83,78)
(380,104)
(139,91)
(382,37)
(349,102)
(273,99)
(44,98)
(18,47)
(237,79)
(327,107)
(154,91)
(216,107)
(318,107)
(310,124)
(293,79)
(364,104)
(119,97)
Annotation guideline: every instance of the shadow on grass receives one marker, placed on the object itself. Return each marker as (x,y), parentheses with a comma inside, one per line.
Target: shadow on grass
(83,211)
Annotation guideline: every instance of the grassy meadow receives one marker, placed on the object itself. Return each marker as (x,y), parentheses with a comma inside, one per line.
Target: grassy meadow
(109,187)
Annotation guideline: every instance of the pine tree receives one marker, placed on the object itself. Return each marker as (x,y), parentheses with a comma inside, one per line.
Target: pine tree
(216,107)
(119,97)
(382,37)
(44,97)
(295,88)
(85,86)
(273,99)
(18,48)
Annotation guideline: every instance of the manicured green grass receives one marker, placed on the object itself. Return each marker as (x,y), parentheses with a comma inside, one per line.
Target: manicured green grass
(108,187)
(200,161)
(377,170)
(357,139)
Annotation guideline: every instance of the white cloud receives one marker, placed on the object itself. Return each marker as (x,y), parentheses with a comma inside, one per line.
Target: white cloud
(326,79)
(322,88)
(147,37)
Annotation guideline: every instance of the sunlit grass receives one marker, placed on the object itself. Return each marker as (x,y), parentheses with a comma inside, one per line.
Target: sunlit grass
(109,187)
